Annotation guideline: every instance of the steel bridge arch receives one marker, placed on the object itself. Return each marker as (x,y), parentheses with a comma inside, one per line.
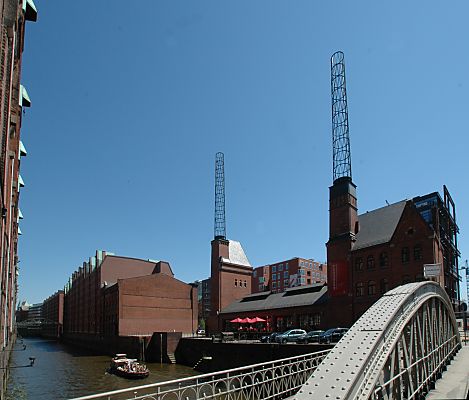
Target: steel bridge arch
(396,350)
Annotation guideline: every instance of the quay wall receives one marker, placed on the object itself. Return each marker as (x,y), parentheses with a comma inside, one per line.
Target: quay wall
(133,346)
(4,362)
(153,348)
(228,355)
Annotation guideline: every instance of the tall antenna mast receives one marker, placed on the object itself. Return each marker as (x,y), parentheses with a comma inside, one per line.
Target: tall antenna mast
(342,165)
(220,223)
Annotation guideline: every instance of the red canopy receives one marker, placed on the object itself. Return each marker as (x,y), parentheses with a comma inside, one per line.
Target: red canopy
(257,319)
(247,320)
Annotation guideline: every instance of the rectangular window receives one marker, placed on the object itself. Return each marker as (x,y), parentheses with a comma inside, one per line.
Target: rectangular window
(274,268)
(285,283)
(254,274)
(261,288)
(274,277)
(303,280)
(280,267)
(261,279)
(311,265)
(285,274)
(286,266)
(274,285)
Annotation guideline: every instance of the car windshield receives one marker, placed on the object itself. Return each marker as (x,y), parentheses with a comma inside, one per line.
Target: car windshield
(314,333)
(329,331)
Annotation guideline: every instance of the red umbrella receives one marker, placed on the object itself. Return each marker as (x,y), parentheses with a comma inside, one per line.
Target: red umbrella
(245,321)
(237,320)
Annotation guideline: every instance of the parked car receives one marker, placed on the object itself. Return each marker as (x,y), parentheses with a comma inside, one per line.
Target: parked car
(200,332)
(332,335)
(290,336)
(310,337)
(269,338)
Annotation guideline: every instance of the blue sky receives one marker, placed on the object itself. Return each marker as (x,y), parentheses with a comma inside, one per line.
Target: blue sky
(130,105)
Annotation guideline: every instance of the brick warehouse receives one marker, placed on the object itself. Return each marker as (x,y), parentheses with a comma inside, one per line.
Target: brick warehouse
(13,98)
(53,315)
(115,296)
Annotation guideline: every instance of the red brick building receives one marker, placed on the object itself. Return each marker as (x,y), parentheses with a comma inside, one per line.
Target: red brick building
(121,296)
(371,253)
(52,314)
(231,275)
(279,276)
(13,97)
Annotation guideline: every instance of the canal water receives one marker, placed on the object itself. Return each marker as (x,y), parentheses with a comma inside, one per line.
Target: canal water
(64,372)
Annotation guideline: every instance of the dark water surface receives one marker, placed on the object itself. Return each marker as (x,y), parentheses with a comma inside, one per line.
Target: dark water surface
(64,372)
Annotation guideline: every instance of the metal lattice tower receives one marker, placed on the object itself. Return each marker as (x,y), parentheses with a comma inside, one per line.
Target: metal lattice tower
(220,223)
(342,165)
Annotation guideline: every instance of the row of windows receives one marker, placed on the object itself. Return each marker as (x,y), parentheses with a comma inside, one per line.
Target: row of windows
(405,254)
(310,265)
(371,287)
(279,276)
(280,267)
(240,283)
(384,260)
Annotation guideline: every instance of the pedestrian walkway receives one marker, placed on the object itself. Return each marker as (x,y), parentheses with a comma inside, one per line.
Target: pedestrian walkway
(455,381)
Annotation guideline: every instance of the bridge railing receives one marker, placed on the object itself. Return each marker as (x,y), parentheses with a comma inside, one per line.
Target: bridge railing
(273,379)
(438,363)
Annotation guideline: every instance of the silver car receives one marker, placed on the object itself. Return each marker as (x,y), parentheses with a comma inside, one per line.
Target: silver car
(290,336)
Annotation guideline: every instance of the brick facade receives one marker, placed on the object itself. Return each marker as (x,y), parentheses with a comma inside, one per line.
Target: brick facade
(13,98)
(120,296)
(52,313)
(231,276)
(289,273)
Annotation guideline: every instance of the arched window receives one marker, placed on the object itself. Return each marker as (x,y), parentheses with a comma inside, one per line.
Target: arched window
(370,262)
(371,288)
(236,282)
(384,285)
(359,264)
(405,254)
(359,289)
(383,259)
(417,252)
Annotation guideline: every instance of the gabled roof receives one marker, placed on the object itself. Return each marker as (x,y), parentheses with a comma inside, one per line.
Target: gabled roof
(236,254)
(378,226)
(305,296)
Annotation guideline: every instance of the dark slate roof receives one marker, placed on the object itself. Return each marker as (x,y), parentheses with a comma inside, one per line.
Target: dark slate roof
(301,296)
(378,226)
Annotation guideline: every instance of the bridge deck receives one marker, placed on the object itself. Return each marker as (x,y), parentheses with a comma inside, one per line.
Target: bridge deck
(455,381)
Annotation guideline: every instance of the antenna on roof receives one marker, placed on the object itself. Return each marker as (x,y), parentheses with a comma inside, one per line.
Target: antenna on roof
(342,165)
(387,202)
(220,222)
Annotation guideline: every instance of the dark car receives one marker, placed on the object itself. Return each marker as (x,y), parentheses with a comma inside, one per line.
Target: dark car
(269,338)
(310,337)
(332,335)
(290,336)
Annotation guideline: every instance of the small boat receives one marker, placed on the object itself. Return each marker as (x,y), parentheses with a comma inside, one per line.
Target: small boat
(128,367)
